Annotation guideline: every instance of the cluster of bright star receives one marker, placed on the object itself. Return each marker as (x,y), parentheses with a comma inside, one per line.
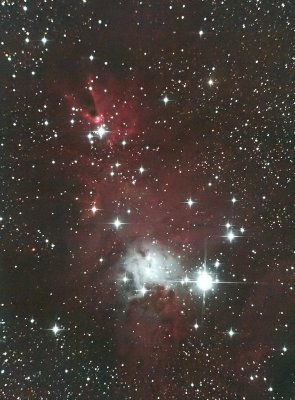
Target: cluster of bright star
(100,132)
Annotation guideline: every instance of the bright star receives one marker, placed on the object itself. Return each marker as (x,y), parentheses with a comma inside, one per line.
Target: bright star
(117,223)
(94,209)
(143,290)
(55,329)
(204,281)
(44,40)
(166,100)
(230,235)
(101,131)
(201,33)
(231,333)
(210,82)
(233,200)
(190,202)
(141,170)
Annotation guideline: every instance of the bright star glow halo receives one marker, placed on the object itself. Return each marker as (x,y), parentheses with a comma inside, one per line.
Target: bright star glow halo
(204,281)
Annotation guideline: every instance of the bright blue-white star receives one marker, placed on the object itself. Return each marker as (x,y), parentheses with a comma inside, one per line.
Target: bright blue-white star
(204,281)
(101,131)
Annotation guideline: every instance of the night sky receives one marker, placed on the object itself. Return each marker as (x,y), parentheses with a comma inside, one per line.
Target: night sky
(147,203)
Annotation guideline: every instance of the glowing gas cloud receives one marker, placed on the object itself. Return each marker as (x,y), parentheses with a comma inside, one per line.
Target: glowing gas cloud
(148,264)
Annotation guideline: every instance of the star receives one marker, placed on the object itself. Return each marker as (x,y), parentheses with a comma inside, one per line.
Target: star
(55,329)
(117,223)
(166,100)
(233,200)
(185,280)
(44,40)
(101,131)
(94,209)
(204,281)
(143,290)
(230,236)
(210,82)
(201,33)
(141,170)
(231,333)
(190,202)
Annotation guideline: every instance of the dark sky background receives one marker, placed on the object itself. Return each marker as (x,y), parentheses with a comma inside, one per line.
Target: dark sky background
(175,119)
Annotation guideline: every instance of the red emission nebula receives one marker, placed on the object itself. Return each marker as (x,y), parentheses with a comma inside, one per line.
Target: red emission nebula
(147,215)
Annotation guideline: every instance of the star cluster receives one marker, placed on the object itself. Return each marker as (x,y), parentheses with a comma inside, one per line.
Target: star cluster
(147,211)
